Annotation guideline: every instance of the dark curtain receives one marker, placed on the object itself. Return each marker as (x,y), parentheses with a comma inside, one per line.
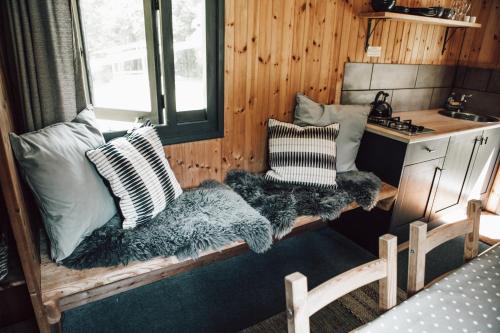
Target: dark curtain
(43,65)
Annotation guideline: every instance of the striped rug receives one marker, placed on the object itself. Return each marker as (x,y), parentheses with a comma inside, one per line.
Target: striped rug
(344,315)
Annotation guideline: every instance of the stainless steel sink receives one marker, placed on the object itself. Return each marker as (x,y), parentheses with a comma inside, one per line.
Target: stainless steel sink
(468,116)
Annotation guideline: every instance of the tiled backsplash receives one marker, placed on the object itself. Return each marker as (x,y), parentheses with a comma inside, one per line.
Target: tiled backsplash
(483,85)
(410,87)
(420,87)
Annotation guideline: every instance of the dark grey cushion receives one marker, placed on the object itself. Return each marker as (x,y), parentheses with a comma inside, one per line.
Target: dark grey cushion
(72,198)
(351,118)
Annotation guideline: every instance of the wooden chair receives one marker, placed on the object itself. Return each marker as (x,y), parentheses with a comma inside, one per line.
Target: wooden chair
(421,242)
(302,304)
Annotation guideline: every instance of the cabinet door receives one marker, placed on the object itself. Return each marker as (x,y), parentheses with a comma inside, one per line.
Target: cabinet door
(457,163)
(416,191)
(484,164)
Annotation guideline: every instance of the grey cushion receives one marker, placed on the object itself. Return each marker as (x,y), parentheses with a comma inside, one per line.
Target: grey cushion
(351,118)
(72,198)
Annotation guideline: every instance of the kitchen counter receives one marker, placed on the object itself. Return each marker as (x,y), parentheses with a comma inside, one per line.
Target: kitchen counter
(443,126)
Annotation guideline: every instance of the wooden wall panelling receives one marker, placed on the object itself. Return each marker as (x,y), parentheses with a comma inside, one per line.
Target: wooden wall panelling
(276,48)
(262,91)
(481,47)
(325,56)
(195,162)
(286,50)
(229,77)
(343,48)
(334,63)
(237,137)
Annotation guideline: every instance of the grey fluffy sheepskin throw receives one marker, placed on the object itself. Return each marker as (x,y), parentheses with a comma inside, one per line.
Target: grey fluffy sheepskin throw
(283,203)
(204,218)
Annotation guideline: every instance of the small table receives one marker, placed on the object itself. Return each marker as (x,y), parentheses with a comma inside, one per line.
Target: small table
(467,300)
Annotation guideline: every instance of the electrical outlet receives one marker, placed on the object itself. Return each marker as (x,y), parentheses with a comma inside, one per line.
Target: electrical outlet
(374,51)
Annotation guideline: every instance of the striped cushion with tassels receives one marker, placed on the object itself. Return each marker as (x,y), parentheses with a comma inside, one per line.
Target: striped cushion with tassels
(138,173)
(302,155)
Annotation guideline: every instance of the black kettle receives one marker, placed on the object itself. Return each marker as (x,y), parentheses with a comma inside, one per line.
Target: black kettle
(380,107)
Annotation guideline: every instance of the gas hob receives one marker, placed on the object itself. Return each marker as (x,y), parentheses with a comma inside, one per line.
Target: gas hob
(401,126)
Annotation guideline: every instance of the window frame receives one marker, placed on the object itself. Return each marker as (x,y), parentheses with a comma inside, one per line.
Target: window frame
(173,127)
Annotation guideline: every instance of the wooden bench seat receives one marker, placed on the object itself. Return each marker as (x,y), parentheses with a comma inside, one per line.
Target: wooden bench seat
(63,288)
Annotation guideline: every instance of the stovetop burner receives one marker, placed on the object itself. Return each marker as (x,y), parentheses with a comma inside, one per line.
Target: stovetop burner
(396,124)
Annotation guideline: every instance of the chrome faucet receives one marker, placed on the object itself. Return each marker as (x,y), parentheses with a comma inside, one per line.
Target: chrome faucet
(453,104)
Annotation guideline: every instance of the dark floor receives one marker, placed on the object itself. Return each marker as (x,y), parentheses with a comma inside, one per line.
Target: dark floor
(236,293)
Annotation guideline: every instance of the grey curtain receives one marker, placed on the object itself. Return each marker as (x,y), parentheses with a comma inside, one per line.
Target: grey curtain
(44,62)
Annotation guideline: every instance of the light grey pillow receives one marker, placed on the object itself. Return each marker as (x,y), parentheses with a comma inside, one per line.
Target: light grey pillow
(72,197)
(351,118)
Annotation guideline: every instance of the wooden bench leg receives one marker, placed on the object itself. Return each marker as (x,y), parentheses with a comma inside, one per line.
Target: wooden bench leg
(53,313)
(56,328)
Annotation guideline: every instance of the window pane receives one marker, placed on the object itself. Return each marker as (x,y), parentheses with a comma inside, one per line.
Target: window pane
(115,42)
(188,27)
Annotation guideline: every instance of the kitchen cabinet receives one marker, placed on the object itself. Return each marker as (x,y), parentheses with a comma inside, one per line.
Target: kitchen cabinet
(434,177)
(416,192)
(484,164)
(456,168)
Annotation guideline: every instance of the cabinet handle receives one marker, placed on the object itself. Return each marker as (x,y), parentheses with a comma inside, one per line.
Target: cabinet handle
(430,150)
(486,140)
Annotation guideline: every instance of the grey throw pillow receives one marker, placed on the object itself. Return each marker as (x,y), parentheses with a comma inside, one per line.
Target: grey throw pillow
(351,118)
(72,198)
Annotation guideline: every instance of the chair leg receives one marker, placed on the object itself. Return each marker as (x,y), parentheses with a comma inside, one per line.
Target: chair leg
(296,297)
(388,250)
(471,247)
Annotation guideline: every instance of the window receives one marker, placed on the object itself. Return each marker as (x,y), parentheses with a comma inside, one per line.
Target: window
(155,59)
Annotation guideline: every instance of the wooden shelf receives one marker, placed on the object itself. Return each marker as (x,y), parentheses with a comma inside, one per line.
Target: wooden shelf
(419,19)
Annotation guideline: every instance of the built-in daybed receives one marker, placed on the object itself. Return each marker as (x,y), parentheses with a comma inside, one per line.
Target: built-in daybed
(55,288)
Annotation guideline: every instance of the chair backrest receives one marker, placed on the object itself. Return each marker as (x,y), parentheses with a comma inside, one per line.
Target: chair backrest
(421,242)
(301,303)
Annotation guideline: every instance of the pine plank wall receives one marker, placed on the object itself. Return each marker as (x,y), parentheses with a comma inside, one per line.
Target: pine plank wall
(276,48)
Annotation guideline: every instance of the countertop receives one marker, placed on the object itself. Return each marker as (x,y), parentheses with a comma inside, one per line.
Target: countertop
(443,126)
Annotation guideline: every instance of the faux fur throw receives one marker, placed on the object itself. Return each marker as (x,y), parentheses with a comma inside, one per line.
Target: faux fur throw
(204,218)
(283,203)
(213,215)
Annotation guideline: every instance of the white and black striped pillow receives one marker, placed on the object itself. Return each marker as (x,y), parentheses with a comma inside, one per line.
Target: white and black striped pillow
(138,173)
(302,155)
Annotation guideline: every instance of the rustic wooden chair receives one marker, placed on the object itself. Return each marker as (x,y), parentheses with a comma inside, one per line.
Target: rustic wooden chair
(302,304)
(421,242)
